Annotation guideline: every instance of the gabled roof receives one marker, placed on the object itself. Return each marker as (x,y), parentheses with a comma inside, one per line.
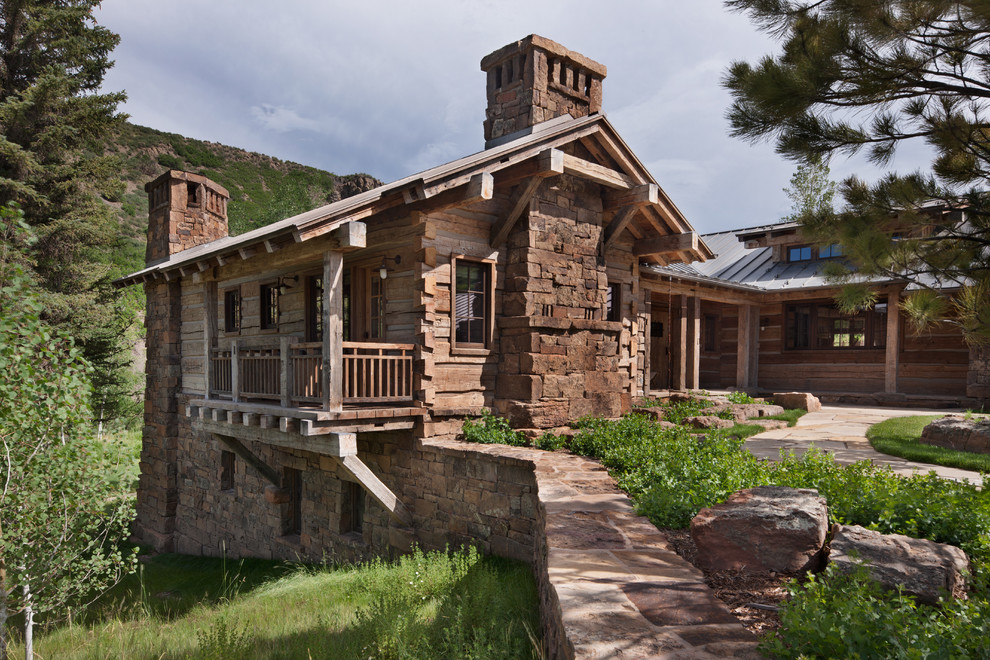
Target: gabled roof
(657,217)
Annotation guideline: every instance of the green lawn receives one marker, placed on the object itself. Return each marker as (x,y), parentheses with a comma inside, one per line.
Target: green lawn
(900,436)
(430,605)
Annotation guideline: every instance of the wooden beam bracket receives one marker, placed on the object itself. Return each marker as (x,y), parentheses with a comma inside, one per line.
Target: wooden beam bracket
(361,473)
(245,454)
(685,242)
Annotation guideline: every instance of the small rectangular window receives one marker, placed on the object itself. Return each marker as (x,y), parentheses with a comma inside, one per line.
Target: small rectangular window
(269,306)
(709,331)
(376,307)
(799,253)
(613,303)
(352,508)
(472,303)
(227,464)
(232,310)
(292,513)
(314,308)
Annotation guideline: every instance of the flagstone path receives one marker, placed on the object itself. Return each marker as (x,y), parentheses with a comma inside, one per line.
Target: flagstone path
(841,431)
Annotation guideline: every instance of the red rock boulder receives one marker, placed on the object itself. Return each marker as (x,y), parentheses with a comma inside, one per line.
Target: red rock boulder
(922,568)
(765,528)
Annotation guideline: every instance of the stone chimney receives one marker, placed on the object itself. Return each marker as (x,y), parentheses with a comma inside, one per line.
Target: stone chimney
(184,210)
(536,79)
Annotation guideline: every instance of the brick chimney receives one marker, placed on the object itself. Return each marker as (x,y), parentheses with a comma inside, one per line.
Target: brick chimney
(536,79)
(184,210)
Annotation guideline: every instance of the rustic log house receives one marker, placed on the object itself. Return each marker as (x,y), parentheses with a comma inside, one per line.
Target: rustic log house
(302,377)
(318,350)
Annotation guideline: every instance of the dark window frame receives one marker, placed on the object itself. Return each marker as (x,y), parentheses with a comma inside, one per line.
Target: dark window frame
(709,333)
(292,512)
(232,310)
(819,326)
(352,508)
(487,269)
(790,253)
(228,468)
(268,305)
(613,302)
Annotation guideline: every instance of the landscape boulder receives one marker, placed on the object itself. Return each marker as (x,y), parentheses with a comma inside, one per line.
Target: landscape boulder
(959,433)
(922,568)
(745,411)
(707,422)
(768,528)
(655,413)
(797,401)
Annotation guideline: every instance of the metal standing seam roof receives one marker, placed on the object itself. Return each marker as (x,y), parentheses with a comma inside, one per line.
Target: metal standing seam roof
(442,176)
(735,264)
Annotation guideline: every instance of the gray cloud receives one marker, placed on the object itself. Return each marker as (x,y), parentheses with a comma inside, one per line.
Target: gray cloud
(390,88)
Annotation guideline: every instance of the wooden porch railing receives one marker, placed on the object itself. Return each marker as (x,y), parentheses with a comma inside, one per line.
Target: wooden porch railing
(291,372)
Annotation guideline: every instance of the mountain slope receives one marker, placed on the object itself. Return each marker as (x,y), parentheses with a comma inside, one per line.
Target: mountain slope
(262,189)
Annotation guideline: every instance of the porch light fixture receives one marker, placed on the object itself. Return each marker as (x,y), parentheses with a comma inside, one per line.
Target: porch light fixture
(764,323)
(383,269)
(283,285)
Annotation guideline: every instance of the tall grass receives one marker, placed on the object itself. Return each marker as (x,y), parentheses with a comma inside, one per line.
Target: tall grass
(424,605)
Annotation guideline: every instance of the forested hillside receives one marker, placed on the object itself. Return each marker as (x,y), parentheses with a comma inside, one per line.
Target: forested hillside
(262,189)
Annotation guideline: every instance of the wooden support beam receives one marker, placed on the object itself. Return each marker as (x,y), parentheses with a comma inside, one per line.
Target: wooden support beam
(618,225)
(694,343)
(662,245)
(333,331)
(374,487)
(334,444)
(349,236)
(246,455)
(209,333)
(500,230)
(605,176)
(680,345)
(415,192)
(550,162)
(247,252)
(647,193)
(747,347)
(270,246)
(893,351)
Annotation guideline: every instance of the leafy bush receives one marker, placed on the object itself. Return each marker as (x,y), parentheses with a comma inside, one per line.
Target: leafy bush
(678,412)
(169,161)
(672,475)
(740,397)
(549,441)
(848,616)
(492,430)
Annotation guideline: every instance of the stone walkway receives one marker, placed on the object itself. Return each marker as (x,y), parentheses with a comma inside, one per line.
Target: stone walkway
(841,431)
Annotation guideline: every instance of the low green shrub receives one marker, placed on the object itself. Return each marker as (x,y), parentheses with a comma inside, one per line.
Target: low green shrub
(672,475)
(549,441)
(492,430)
(740,397)
(848,616)
(678,412)
(169,161)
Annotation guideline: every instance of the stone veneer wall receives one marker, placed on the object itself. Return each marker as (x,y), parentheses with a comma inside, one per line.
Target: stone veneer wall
(608,582)
(559,360)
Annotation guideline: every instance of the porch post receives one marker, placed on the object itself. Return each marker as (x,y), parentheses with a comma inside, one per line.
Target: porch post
(679,342)
(743,337)
(209,333)
(893,341)
(694,345)
(235,371)
(333,331)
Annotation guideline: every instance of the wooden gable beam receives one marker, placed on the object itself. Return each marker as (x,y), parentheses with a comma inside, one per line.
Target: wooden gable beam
(415,192)
(550,163)
(605,176)
(662,245)
(618,225)
(647,193)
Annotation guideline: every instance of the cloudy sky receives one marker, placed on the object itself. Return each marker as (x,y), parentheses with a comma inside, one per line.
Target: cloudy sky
(394,87)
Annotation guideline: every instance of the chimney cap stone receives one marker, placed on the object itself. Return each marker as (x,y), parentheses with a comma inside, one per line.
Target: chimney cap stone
(552,47)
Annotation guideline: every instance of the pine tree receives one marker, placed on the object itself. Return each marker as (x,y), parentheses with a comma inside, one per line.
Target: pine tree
(53,124)
(867,77)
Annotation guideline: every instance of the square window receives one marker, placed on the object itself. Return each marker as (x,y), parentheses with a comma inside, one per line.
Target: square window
(799,253)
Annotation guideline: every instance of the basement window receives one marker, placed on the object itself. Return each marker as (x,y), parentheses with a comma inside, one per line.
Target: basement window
(352,508)
(292,511)
(227,466)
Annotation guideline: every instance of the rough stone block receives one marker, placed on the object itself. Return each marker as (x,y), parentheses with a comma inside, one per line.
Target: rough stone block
(797,400)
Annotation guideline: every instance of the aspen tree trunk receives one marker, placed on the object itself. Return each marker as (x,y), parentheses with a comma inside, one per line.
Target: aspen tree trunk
(28,624)
(3,604)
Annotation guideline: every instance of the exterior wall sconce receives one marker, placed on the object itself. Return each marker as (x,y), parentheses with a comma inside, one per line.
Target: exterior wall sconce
(283,283)
(764,323)
(383,269)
